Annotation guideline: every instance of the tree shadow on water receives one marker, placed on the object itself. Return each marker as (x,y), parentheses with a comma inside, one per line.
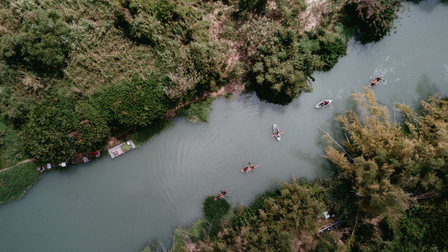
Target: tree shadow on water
(327,169)
(425,88)
(428,6)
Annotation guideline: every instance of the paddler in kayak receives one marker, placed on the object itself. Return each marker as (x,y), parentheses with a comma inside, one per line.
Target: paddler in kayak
(376,81)
(221,194)
(249,168)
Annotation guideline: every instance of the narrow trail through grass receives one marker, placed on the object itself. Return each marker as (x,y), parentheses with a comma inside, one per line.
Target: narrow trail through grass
(21,162)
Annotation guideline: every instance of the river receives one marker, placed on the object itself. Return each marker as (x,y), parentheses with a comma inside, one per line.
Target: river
(122,204)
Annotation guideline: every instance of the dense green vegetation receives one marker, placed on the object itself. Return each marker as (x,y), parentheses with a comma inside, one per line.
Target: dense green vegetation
(197,112)
(284,63)
(11,146)
(390,191)
(269,224)
(15,182)
(74,72)
(373,18)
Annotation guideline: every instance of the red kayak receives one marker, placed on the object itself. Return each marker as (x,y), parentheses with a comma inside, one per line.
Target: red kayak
(249,168)
(376,81)
(221,194)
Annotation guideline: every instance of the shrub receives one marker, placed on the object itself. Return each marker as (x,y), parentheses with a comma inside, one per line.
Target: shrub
(43,43)
(256,6)
(374,18)
(326,243)
(135,103)
(282,66)
(15,181)
(331,48)
(214,211)
(60,129)
(197,112)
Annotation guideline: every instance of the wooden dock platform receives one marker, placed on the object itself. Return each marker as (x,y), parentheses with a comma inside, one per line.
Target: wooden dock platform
(121,149)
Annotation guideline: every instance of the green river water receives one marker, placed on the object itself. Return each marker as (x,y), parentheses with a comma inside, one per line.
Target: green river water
(122,204)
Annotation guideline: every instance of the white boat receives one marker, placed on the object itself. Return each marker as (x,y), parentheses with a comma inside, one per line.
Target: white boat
(276,131)
(324,103)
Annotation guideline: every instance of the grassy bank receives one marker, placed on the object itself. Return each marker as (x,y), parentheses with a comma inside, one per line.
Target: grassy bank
(290,219)
(16,181)
(389,193)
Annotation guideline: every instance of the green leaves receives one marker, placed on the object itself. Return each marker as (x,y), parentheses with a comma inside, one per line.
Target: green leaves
(60,129)
(15,181)
(282,65)
(214,211)
(43,43)
(374,18)
(135,103)
(390,164)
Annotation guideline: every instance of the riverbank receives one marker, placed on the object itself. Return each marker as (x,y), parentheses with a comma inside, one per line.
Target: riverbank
(374,196)
(162,184)
(95,121)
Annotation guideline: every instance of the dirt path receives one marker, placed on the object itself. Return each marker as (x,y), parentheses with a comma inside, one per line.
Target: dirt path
(21,162)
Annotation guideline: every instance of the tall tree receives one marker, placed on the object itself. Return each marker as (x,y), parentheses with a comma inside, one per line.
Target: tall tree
(391,163)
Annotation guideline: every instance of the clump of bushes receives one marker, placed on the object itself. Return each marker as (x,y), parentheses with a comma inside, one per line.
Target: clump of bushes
(271,223)
(197,112)
(214,212)
(42,44)
(60,129)
(15,181)
(284,63)
(255,6)
(373,18)
(133,103)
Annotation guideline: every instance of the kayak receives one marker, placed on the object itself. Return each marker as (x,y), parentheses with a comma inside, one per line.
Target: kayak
(376,81)
(221,194)
(249,168)
(323,105)
(276,131)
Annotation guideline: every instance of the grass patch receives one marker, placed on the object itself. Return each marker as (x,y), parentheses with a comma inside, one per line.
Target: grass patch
(126,147)
(344,32)
(17,180)
(214,212)
(197,112)
(11,146)
(191,234)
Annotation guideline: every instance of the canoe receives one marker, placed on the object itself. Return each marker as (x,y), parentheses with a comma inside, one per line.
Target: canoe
(221,194)
(276,129)
(320,104)
(376,81)
(249,168)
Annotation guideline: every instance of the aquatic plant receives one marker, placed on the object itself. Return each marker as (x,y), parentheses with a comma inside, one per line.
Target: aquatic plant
(213,211)
(197,112)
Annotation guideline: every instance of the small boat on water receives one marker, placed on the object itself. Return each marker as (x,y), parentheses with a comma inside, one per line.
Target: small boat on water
(276,131)
(376,81)
(221,194)
(324,103)
(249,168)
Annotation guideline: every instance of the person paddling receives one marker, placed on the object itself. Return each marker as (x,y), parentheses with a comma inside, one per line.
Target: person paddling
(376,81)
(221,194)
